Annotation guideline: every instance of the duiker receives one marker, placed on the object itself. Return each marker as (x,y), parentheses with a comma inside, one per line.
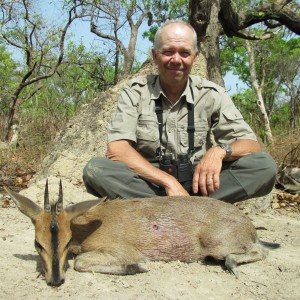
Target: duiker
(114,236)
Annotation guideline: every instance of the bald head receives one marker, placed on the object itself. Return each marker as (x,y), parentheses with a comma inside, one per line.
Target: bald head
(177,28)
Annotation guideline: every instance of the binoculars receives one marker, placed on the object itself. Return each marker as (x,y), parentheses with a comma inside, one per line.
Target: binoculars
(181,168)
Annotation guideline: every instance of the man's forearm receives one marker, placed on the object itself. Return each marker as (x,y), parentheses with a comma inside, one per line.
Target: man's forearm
(122,151)
(242,148)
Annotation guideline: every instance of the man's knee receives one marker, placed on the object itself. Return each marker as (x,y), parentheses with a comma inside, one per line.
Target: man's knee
(268,174)
(262,173)
(95,165)
(96,161)
(94,176)
(262,164)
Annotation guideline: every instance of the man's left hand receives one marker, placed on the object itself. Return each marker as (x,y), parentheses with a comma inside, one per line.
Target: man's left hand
(207,173)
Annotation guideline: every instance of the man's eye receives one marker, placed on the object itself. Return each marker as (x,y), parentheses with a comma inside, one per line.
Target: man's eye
(168,53)
(185,54)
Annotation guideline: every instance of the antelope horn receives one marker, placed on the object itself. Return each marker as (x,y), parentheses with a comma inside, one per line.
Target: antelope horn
(46,198)
(59,205)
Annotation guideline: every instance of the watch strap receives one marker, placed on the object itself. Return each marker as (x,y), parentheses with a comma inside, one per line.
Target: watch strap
(228,150)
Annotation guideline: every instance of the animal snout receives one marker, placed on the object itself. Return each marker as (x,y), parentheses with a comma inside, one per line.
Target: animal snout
(56,282)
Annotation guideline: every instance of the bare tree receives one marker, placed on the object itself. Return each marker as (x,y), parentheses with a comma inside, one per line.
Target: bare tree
(21,29)
(293,91)
(212,18)
(119,23)
(258,91)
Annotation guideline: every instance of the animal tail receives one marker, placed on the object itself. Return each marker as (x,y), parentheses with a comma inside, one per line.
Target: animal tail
(269,245)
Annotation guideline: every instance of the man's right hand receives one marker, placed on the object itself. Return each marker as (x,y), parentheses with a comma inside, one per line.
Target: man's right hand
(124,152)
(174,188)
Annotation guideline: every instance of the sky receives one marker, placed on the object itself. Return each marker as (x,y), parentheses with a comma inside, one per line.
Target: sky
(80,32)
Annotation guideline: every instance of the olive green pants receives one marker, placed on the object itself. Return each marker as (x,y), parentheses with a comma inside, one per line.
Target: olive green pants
(250,176)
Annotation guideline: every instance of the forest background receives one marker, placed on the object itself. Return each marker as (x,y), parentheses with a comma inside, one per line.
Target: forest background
(48,72)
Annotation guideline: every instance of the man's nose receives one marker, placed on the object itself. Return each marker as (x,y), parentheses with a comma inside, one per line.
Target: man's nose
(176,57)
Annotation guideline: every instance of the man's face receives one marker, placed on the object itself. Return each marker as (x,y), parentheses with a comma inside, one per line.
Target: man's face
(175,55)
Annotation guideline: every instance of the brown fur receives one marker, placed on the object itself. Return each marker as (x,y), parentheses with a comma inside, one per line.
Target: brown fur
(115,236)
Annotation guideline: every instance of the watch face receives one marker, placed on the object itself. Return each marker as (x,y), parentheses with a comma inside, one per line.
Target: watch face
(227,148)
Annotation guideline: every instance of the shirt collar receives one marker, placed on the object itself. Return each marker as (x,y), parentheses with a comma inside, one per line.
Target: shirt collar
(157,91)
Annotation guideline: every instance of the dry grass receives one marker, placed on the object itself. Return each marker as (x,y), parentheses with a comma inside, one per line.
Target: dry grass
(18,165)
(286,149)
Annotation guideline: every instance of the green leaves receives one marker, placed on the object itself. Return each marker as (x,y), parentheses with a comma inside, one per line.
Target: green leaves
(278,73)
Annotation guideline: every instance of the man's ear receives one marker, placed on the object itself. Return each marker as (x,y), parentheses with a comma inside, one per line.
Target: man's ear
(154,56)
(196,56)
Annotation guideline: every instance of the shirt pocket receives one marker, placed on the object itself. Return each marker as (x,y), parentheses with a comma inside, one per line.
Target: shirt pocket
(200,135)
(233,125)
(147,135)
(232,116)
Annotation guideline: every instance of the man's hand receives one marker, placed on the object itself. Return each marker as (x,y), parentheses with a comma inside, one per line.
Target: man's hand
(174,188)
(123,151)
(207,172)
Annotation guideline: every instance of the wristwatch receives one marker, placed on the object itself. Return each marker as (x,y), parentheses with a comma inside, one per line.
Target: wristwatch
(228,150)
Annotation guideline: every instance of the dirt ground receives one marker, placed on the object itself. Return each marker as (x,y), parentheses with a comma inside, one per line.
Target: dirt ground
(276,277)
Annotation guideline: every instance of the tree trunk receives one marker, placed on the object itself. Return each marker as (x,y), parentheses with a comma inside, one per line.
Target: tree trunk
(204,18)
(258,90)
(12,129)
(294,108)
(130,53)
(116,73)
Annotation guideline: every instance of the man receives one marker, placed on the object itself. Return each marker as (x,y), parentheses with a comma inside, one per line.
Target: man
(231,169)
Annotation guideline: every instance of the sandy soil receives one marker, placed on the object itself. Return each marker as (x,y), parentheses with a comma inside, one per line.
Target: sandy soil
(276,277)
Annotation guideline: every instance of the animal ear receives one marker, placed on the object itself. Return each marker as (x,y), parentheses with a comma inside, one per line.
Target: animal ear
(25,205)
(78,209)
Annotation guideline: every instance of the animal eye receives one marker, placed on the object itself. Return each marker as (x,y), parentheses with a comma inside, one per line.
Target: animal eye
(38,246)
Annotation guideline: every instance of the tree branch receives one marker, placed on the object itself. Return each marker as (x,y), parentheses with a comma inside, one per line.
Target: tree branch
(284,15)
(282,12)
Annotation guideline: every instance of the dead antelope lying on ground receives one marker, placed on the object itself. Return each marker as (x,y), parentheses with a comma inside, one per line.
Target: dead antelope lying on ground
(113,237)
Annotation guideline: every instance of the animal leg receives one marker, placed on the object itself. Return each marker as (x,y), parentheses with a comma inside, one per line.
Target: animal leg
(233,260)
(107,263)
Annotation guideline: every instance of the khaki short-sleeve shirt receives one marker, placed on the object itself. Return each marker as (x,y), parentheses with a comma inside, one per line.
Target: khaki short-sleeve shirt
(135,118)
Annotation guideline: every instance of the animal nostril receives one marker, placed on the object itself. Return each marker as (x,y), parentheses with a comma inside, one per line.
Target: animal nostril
(56,283)
(60,282)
